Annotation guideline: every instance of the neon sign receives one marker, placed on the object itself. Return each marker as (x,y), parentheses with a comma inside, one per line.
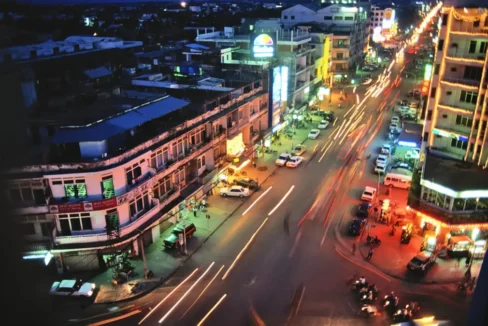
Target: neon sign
(263,46)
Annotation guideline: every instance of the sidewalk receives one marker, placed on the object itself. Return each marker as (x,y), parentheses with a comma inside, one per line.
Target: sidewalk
(162,263)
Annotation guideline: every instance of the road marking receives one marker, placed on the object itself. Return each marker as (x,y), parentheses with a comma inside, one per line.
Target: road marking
(112,320)
(297,239)
(203,291)
(255,202)
(366,268)
(168,296)
(325,152)
(300,301)
(244,249)
(211,310)
(282,200)
(186,293)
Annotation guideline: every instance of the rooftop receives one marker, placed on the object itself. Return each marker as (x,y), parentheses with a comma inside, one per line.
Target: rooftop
(72,45)
(454,174)
(283,36)
(411,133)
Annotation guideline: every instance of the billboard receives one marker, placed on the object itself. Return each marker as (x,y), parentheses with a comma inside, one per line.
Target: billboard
(279,93)
(263,45)
(388,18)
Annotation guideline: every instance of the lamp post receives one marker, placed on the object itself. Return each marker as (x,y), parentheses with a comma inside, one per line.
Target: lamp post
(294,117)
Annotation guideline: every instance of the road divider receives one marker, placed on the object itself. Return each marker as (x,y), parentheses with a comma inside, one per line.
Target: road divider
(244,249)
(256,201)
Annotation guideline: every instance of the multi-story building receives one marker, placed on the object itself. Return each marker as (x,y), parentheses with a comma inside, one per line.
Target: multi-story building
(126,162)
(347,26)
(382,23)
(453,185)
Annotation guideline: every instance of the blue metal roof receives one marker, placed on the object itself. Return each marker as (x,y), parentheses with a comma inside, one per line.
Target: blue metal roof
(98,72)
(116,125)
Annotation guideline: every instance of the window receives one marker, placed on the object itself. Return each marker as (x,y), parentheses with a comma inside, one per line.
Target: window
(444,19)
(429,115)
(107,184)
(159,158)
(180,177)
(436,69)
(483,46)
(177,147)
(486,21)
(46,228)
(337,17)
(285,17)
(472,46)
(75,189)
(468,97)
(112,222)
(198,136)
(432,91)
(340,55)
(200,162)
(162,187)
(426,136)
(292,17)
(327,17)
(74,222)
(459,143)
(349,18)
(472,72)
(27,229)
(440,45)
(133,173)
(138,205)
(24,193)
(476,23)
(464,121)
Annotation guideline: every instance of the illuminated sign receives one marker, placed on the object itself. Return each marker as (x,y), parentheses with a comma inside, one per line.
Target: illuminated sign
(453,193)
(263,46)
(425,87)
(449,134)
(407,144)
(428,72)
(388,18)
(284,84)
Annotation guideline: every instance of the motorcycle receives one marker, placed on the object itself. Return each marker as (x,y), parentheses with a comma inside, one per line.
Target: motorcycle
(462,288)
(368,310)
(367,297)
(358,286)
(373,240)
(390,303)
(406,314)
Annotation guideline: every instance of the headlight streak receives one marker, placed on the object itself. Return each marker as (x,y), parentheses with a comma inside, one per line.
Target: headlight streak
(320,160)
(281,201)
(212,310)
(256,201)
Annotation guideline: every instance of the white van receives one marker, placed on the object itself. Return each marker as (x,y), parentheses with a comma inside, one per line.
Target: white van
(398,180)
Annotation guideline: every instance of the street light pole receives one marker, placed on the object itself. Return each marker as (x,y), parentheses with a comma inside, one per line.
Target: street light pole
(294,117)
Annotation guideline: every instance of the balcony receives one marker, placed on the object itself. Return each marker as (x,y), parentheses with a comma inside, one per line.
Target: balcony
(300,85)
(130,229)
(456,54)
(340,60)
(454,129)
(469,83)
(340,46)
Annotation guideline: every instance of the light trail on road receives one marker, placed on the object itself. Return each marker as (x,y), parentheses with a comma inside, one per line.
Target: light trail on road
(186,293)
(325,152)
(212,310)
(282,200)
(243,249)
(256,201)
(113,320)
(168,296)
(203,291)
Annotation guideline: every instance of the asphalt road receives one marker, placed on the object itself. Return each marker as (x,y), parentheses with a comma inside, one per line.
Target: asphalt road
(291,269)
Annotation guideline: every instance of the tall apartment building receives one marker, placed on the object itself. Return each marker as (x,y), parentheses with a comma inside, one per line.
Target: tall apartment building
(346,25)
(453,191)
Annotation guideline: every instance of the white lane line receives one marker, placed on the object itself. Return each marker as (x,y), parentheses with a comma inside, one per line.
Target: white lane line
(256,201)
(281,201)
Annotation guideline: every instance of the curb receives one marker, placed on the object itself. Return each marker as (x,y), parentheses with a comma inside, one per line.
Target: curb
(162,280)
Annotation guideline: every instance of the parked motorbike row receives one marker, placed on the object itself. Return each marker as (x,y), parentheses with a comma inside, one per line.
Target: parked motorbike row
(367,294)
(373,241)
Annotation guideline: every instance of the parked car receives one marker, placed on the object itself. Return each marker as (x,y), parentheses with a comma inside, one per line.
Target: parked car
(313,134)
(394,127)
(294,161)
(299,150)
(422,262)
(357,226)
(319,113)
(368,194)
(323,124)
(386,149)
(282,159)
(363,210)
(403,103)
(380,168)
(75,288)
(402,165)
(382,159)
(329,116)
(234,191)
(414,105)
(414,92)
(172,242)
(247,183)
(395,119)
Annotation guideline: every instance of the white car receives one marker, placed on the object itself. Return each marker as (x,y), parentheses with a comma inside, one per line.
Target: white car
(382,159)
(405,110)
(294,161)
(73,288)
(368,194)
(394,127)
(282,159)
(313,134)
(380,168)
(323,124)
(386,149)
(234,191)
(395,119)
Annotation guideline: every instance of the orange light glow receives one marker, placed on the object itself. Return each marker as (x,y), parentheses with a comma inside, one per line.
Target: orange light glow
(212,310)
(433,220)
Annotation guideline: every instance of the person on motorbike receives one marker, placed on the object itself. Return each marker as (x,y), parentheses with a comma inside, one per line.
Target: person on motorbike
(362,280)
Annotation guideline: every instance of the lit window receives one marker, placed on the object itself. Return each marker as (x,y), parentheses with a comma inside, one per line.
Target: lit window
(74,222)
(75,189)
(139,205)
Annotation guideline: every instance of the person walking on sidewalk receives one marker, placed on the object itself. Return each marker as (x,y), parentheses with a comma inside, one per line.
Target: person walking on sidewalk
(194,211)
(354,249)
(370,254)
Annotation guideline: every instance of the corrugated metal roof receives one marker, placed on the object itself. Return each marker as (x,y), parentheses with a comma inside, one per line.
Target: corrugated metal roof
(98,72)
(119,124)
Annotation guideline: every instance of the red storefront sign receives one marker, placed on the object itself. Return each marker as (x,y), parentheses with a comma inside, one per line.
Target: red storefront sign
(97,205)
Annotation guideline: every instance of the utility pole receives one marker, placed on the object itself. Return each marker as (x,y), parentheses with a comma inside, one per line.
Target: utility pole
(141,245)
(185,252)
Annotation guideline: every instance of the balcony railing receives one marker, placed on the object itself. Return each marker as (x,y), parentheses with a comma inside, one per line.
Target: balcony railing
(341,46)
(454,53)
(463,81)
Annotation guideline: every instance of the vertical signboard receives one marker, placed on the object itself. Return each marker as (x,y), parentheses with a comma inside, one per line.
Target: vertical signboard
(276,97)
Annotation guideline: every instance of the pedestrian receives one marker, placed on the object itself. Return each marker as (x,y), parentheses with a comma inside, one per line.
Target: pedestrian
(354,249)
(370,254)
(194,211)
(458,261)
